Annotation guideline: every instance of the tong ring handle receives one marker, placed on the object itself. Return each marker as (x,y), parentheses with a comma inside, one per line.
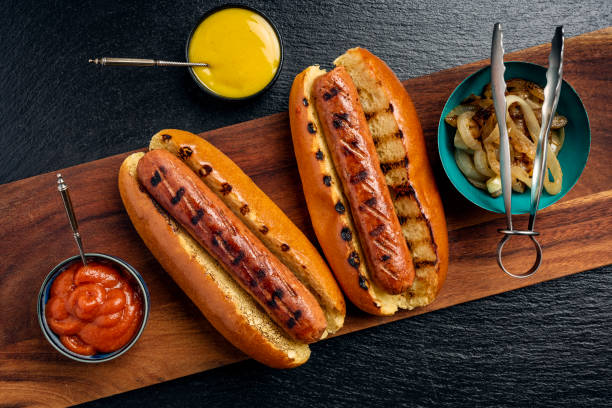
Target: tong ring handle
(538,247)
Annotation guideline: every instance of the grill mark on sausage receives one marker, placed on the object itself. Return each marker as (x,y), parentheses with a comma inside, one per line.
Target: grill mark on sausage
(166,137)
(332,92)
(390,108)
(339,119)
(197,217)
(226,244)
(385,257)
(305,102)
(327,180)
(319,155)
(384,268)
(156,179)
(264,230)
(284,247)
(375,212)
(205,170)
(359,177)
(238,258)
(260,273)
(382,242)
(184,152)
(297,314)
(377,230)
(278,293)
(371,202)
(179,194)
(342,116)
(347,149)
(291,322)
(244,210)
(312,129)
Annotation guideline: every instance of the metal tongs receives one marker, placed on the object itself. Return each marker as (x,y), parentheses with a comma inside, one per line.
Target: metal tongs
(551,98)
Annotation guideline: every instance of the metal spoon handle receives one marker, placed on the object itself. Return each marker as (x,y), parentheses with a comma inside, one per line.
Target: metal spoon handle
(139,62)
(63,190)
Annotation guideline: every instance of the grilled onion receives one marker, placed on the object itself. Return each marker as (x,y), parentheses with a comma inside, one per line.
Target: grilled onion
(466,165)
(476,139)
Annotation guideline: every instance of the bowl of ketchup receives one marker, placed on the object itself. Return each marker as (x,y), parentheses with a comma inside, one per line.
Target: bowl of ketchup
(96,312)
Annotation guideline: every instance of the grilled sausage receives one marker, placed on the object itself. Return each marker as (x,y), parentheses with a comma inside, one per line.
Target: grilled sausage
(186,198)
(260,214)
(354,155)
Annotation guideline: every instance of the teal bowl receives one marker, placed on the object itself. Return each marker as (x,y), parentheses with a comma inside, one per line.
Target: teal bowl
(573,155)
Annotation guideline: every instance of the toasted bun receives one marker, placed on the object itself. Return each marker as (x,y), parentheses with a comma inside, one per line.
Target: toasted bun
(397,132)
(259,213)
(400,147)
(230,309)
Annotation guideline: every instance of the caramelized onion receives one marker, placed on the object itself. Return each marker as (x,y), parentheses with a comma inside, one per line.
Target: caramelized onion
(466,127)
(466,165)
(477,138)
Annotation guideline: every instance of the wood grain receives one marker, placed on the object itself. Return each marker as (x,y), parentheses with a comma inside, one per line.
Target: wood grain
(178,340)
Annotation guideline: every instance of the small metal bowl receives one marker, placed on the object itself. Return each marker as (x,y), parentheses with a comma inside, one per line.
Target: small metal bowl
(210,91)
(135,279)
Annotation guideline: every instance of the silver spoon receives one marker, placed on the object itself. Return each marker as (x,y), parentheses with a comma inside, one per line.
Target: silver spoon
(63,190)
(138,62)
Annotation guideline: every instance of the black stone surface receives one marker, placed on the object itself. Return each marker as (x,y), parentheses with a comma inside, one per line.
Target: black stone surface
(549,344)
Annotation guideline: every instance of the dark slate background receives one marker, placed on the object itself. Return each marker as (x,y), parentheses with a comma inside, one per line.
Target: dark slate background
(549,344)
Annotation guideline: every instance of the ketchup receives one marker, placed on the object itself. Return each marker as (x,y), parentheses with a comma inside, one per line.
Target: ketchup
(93,308)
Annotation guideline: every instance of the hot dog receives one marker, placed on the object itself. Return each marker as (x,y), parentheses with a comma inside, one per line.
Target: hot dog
(352,149)
(187,199)
(270,321)
(400,153)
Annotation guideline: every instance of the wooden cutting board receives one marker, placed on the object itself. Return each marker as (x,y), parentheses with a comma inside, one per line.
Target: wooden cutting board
(178,341)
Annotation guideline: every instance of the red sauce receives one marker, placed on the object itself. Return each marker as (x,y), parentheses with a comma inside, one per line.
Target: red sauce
(93,309)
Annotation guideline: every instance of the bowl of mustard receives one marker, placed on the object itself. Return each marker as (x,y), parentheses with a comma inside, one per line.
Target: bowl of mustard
(243,49)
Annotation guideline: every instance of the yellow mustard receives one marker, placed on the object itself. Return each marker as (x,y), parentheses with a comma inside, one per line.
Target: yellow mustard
(241,48)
